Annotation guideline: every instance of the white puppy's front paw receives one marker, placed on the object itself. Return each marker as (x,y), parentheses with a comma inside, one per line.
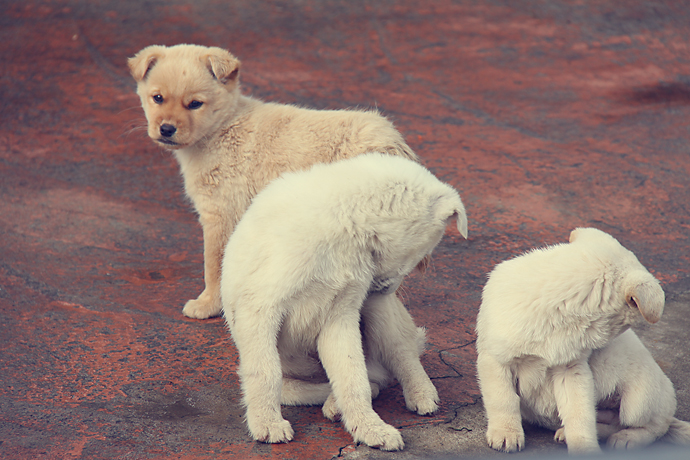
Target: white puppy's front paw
(203,307)
(270,431)
(506,439)
(379,435)
(423,401)
(330,409)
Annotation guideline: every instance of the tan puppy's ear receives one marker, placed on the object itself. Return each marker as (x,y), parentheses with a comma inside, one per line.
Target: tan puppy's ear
(144,60)
(223,66)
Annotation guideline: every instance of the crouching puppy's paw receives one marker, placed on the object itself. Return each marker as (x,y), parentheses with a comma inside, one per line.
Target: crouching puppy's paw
(273,431)
(379,435)
(560,435)
(203,307)
(423,401)
(631,438)
(506,440)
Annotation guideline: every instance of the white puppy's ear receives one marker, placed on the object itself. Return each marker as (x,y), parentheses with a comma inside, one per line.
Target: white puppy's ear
(461,221)
(642,291)
(449,207)
(223,66)
(144,60)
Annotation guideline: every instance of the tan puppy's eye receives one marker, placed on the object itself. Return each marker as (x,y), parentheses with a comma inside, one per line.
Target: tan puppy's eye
(158,99)
(194,105)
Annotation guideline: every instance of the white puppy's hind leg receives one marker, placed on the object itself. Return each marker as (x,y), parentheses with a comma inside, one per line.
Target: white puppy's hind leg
(296,392)
(261,378)
(574,391)
(393,338)
(340,351)
(631,438)
(502,405)
(678,432)
(331,410)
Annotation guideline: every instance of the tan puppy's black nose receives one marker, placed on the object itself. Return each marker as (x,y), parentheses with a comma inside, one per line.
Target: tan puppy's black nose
(167,130)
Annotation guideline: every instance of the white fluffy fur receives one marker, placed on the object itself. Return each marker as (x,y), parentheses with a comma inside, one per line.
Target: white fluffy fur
(316,253)
(554,348)
(231,145)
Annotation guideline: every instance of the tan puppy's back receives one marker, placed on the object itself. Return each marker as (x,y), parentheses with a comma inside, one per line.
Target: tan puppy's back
(229,146)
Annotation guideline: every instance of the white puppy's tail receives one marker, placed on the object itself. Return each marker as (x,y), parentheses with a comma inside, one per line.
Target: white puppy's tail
(678,432)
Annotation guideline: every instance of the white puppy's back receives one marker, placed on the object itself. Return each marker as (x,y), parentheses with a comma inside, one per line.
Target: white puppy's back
(556,301)
(301,219)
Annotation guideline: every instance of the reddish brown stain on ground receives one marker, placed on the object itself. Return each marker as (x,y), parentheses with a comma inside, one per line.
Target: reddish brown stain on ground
(544,115)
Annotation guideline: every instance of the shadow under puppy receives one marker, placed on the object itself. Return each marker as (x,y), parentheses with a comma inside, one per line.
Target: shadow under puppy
(554,348)
(308,288)
(229,146)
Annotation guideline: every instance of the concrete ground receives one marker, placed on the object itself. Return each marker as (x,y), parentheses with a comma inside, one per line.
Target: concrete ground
(545,115)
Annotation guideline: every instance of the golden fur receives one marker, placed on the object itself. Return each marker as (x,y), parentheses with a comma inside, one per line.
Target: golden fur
(230,146)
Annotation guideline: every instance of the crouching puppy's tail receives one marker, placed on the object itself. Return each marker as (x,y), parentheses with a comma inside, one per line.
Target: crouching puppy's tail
(678,432)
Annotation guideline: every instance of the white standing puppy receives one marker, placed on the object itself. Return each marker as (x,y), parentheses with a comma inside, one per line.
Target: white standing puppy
(554,348)
(308,285)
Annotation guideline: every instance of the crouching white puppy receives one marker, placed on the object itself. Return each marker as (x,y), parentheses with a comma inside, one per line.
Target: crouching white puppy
(552,348)
(308,285)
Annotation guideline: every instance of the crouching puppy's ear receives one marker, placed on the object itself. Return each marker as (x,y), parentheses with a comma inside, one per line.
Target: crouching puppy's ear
(144,60)
(223,66)
(642,291)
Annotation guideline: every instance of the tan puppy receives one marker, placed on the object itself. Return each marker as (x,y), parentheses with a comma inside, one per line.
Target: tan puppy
(230,146)
(552,348)
(308,285)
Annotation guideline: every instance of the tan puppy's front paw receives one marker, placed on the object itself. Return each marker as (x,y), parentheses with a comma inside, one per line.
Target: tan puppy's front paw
(423,401)
(506,440)
(273,431)
(379,435)
(203,307)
